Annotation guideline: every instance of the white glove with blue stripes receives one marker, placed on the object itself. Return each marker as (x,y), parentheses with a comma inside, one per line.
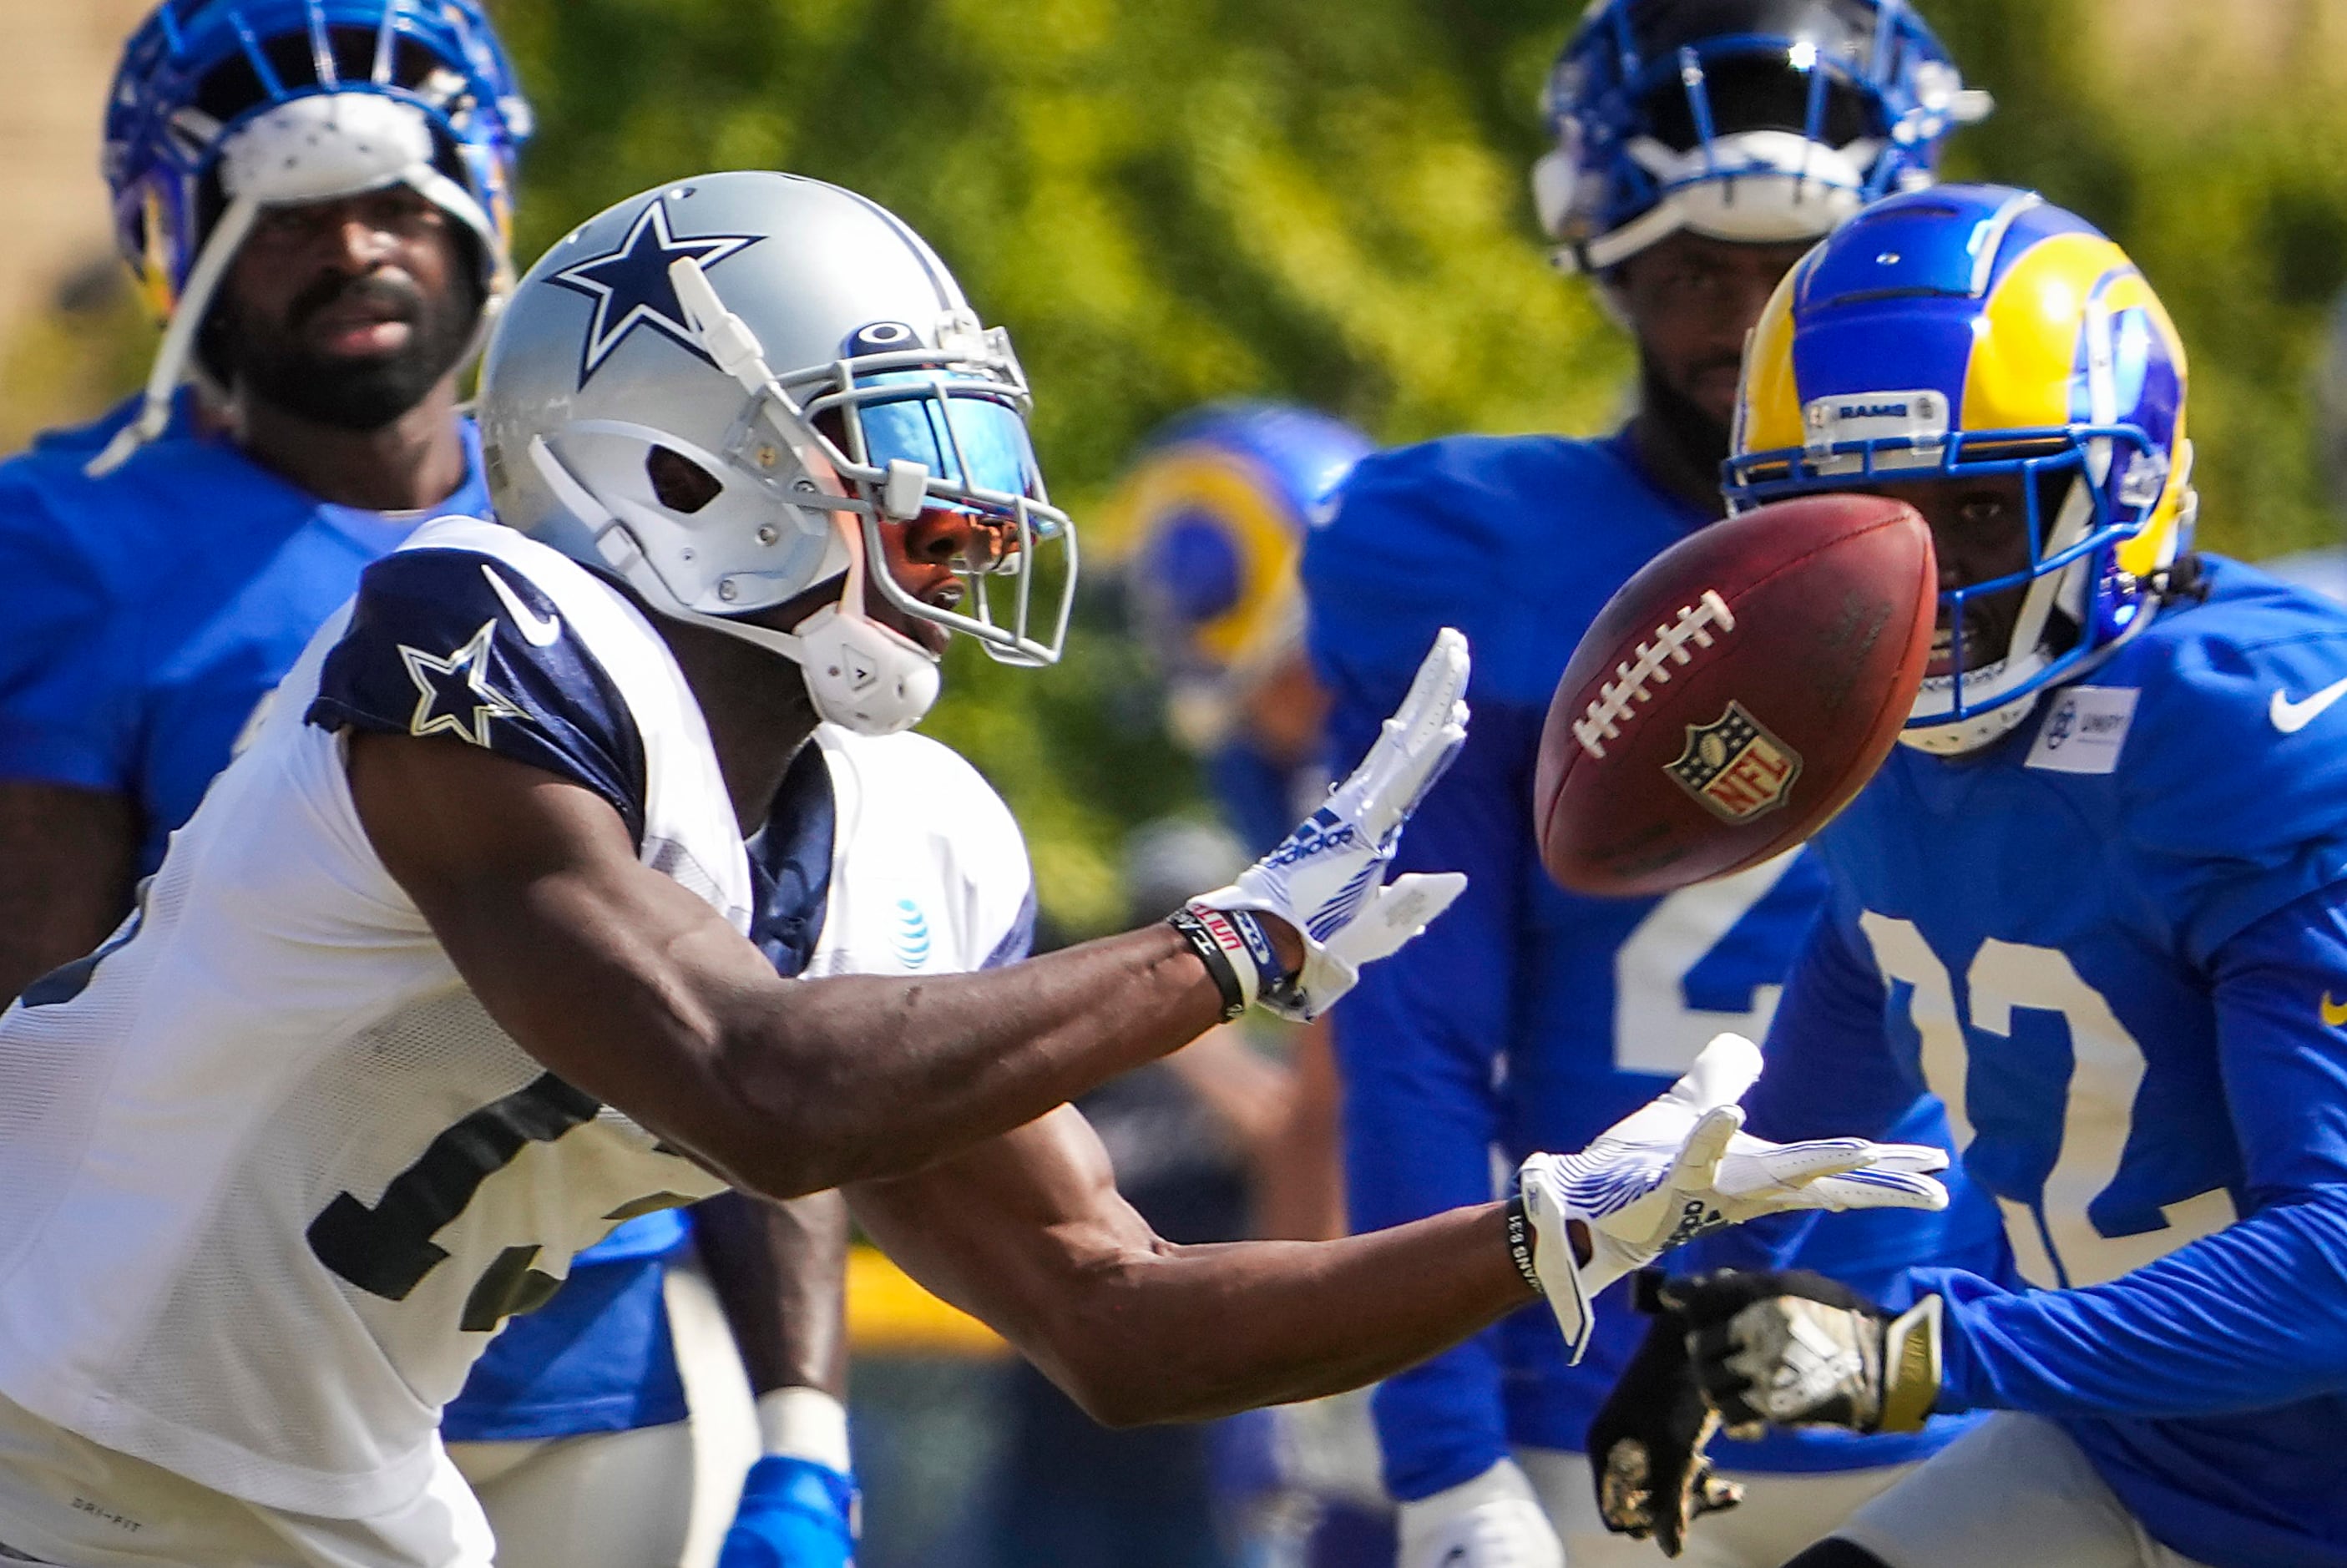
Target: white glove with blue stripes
(1681,1166)
(1326,879)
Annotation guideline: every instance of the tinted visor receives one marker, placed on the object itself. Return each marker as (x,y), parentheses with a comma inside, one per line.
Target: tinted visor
(962,429)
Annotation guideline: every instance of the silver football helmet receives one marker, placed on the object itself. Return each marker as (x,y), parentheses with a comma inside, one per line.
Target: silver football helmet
(813,359)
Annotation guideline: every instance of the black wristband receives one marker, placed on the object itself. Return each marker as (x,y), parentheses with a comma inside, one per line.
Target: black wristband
(1520,1238)
(1218,963)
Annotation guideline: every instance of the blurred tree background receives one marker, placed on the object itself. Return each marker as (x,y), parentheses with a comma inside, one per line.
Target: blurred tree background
(1186,200)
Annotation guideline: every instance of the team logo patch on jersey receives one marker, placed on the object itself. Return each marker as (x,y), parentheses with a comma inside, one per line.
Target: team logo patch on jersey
(630,286)
(908,935)
(453,693)
(1734,766)
(2084,730)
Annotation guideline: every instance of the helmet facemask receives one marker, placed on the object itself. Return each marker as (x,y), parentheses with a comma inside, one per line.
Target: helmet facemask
(1775,133)
(296,108)
(789,505)
(1977,337)
(2076,521)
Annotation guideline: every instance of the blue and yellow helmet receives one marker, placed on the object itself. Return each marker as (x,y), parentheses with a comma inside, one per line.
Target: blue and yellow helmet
(1753,121)
(222,109)
(1972,331)
(197,73)
(1209,523)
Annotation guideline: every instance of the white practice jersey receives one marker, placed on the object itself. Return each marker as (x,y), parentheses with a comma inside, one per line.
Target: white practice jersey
(269,1176)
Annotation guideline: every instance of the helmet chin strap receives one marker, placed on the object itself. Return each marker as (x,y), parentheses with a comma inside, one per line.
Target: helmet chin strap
(323,147)
(861,675)
(180,337)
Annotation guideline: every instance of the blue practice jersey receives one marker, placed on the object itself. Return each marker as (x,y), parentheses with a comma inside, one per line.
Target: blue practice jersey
(151,612)
(148,615)
(1528,1018)
(2116,941)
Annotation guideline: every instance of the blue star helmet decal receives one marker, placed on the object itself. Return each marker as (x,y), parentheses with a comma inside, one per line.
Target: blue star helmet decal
(447,688)
(630,286)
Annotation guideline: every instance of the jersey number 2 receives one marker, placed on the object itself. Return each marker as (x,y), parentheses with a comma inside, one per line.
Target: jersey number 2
(1656,1029)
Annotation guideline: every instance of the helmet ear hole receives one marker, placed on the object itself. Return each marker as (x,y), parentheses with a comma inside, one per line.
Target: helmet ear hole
(678,482)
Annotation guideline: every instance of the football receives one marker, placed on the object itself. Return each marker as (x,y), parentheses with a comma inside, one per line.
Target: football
(1734,694)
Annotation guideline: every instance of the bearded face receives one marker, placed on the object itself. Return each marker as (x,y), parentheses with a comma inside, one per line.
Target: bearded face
(347,313)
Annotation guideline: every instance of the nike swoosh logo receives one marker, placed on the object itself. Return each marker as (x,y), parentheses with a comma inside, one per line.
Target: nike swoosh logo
(2333,1015)
(541,630)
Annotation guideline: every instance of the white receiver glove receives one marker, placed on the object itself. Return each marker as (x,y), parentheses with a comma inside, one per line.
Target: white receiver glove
(1679,1166)
(1326,879)
(1491,1521)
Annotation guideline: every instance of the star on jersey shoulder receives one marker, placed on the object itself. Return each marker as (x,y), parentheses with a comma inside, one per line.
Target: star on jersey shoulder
(447,688)
(630,286)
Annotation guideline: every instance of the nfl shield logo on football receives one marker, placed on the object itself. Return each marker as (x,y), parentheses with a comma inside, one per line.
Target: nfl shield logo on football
(1735,767)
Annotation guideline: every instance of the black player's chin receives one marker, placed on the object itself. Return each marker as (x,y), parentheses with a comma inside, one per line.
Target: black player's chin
(366,392)
(356,393)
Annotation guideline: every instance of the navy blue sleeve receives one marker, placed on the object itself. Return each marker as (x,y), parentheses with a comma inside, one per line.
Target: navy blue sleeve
(434,648)
(1417,1042)
(2252,1316)
(1017,943)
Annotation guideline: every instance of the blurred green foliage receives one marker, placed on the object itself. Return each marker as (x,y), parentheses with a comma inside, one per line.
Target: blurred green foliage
(1166,204)
(1180,200)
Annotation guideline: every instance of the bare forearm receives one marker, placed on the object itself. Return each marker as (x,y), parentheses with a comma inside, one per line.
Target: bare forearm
(66,862)
(779,1270)
(1193,1333)
(1028,1234)
(880,1077)
(634,989)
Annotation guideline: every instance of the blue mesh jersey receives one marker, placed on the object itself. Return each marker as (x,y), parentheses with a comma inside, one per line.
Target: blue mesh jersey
(2116,941)
(151,612)
(1527,1018)
(148,615)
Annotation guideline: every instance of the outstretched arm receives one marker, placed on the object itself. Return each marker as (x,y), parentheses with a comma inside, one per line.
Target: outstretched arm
(1027,1234)
(633,988)
(2249,1319)
(2252,1316)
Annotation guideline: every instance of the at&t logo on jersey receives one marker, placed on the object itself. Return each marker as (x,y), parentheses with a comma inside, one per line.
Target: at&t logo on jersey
(1735,768)
(908,935)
